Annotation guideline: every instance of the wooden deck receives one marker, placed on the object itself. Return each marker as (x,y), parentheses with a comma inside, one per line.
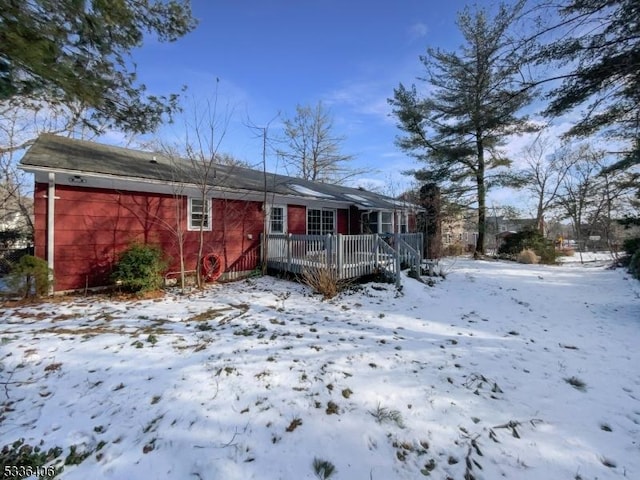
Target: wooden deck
(351,256)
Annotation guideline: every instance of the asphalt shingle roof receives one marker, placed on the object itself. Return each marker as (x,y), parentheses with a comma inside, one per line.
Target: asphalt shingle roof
(55,152)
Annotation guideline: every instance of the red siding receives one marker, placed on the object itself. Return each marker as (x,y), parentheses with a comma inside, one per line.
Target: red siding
(342,221)
(92,226)
(297,219)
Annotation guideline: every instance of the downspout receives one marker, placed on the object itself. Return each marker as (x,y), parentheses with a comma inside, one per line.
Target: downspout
(51,201)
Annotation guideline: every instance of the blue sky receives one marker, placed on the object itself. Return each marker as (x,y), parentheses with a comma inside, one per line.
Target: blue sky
(270,55)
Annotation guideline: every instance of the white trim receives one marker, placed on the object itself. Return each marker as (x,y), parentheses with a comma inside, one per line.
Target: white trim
(190,226)
(147,185)
(335,219)
(380,222)
(51,203)
(285,228)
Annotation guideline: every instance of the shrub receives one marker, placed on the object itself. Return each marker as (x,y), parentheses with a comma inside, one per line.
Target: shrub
(322,280)
(454,250)
(631,245)
(29,276)
(527,256)
(532,240)
(140,268)
(565,252)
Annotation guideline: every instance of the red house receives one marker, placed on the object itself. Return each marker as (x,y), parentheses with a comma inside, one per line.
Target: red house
(91,201)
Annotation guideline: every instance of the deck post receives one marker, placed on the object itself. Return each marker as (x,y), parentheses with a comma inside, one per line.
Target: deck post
(288,240)
(329,251)
(377,251)
(397,255)
(339,255)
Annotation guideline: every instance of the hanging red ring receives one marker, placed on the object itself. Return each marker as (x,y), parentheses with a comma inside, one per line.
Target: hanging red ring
(211,267)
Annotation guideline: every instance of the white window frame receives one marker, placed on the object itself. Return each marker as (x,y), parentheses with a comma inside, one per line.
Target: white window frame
(367,215)
(196,227)
(321,210)
(403,221)
(284,219)
(391,225)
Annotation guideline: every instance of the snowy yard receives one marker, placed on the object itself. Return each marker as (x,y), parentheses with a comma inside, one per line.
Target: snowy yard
(500,371)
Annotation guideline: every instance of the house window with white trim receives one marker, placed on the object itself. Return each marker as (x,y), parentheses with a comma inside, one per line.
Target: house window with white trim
(278,219)
(199,214)
(370,222)
(404,222)
(321,221)
(386,222)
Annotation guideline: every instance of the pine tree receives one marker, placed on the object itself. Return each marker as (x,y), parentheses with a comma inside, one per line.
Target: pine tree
(600,41)
(472,108)
(78,52)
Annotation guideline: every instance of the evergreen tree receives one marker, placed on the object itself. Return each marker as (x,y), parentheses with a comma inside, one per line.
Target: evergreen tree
(600,40)
(78,52)
(471,109)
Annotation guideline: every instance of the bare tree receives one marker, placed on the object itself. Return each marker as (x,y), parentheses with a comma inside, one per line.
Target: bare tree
(313,151)
(592,196)
(578,198)
(21,122)
(204,130)
(545,173)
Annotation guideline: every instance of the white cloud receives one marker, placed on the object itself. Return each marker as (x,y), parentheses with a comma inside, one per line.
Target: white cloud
(417,31)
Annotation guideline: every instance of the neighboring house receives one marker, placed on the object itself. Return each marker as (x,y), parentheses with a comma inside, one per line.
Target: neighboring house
(91,201)
(460,230)
(500,227)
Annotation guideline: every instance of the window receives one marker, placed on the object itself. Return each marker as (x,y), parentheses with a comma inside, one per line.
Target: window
(377,222)
(199,214)
(321,222)
(278,220)
(386,222)
(370,222)
(404,222)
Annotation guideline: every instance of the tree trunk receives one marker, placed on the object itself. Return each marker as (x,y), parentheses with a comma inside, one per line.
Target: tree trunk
(430,200)
(482,207)
(540,217)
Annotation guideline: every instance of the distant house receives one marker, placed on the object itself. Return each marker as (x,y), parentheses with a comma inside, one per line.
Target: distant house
(91,201)
(460,230)
(500,227)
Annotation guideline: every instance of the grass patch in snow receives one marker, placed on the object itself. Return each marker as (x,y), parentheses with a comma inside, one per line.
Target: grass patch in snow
(385,415)
(295,423)
(209,314)
(323,469)
(576,383)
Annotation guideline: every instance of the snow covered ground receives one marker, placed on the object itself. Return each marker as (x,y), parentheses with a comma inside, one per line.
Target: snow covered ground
(500,371)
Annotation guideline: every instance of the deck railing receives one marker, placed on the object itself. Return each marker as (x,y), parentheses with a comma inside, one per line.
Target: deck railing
(351,256)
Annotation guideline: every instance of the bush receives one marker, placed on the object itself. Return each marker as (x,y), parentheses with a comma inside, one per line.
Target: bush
(29,276)
(531,240)
(322,280)
(631,245)
(527,256)
(140,268)
(454,250)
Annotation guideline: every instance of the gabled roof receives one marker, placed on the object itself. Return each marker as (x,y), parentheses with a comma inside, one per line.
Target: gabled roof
(79,156)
